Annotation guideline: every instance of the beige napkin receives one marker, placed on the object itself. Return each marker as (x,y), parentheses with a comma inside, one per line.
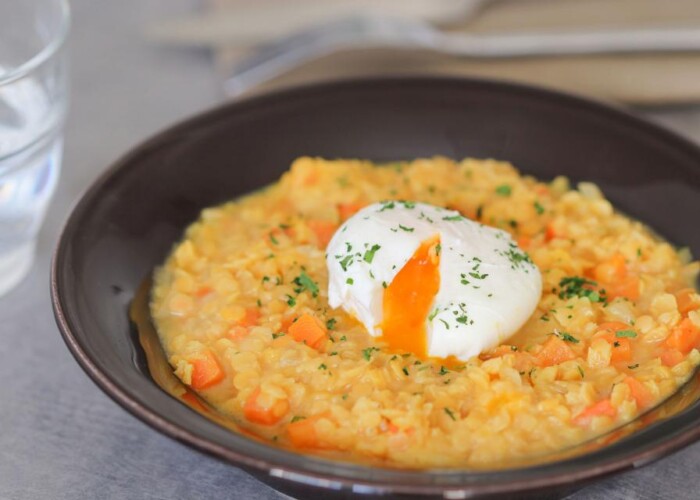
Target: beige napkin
(637,79)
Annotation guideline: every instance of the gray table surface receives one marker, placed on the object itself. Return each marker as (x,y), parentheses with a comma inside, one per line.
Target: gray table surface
(60,436)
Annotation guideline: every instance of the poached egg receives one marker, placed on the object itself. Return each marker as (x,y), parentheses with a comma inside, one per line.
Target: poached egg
(430,281)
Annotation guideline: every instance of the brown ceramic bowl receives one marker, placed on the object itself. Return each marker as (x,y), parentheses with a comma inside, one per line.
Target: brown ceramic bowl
(129,219)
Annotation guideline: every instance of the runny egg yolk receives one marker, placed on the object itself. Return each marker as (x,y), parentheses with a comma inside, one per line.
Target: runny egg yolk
(408,299)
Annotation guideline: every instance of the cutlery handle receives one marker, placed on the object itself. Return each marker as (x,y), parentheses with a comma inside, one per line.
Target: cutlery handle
(560,44)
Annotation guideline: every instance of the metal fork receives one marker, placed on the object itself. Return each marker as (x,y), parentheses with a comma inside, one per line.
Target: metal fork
(289,52)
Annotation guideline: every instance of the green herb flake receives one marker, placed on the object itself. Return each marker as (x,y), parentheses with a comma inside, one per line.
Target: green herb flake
(567,337)
(625,333)
(304,282)
(580,370)
(322,366)
(443,370)
(297,418)
(438,249)
(367,353)
(343,338)
(345,396)
(450,414)
(576,286)
(538,208)
(632,367)
(291,301)
(504,190)
(330,323)
(453,218)
(405,371)
(277,335)
(407,229)
(369,254)
(349,281)
(273,239)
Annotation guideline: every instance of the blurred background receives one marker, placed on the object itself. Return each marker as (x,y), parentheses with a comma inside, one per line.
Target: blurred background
(642,52)
(140,65)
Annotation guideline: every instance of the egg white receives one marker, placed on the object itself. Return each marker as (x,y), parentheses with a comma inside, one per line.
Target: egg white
(488,285)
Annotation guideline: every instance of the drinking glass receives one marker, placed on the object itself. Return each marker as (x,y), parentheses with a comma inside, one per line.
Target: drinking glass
(33,101)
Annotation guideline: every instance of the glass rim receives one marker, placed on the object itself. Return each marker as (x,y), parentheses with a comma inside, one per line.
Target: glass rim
(48,51)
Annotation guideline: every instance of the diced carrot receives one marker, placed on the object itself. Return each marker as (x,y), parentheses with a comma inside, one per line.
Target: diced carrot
(202,291)
(618,282)
(324,231)
(347,210)
(206,371)
(263,410)
(614,326)
(302,434)
(601,408)
(627,287)
(524,241)
(621,346)
(684,336)
(612,270)
(553,231)
(308,329)
(555,351)
(640,392)
(252,314)
(671,357)
(686,300)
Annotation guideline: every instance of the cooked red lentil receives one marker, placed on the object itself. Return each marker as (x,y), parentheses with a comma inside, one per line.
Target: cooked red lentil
(241,309)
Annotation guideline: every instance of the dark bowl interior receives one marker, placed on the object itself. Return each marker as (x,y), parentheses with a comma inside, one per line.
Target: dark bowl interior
(128,221)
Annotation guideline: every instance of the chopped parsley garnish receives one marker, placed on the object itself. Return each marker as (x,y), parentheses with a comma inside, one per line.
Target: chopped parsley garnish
(408,204)
(291,301)
(576,286)
(580,370)
(343,338)
(334,353)
(516,257)
(387,205)
(407,229)
(349,281)
(322,366)
(273,239)
(369,254)
(625,333)
(539,208)
(445,323)
(443,370)
(384,285)
(479,211)
(304,282)
(632,367)
(453,218)
(438,249)
(567,337)
(504,190)
(345,396)
(296,418)
(330,323)
(277,335)
(450,414)
(347,260)
(405,371)
(367,353)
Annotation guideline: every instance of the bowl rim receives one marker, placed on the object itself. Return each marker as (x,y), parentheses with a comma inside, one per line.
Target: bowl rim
(124,398)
